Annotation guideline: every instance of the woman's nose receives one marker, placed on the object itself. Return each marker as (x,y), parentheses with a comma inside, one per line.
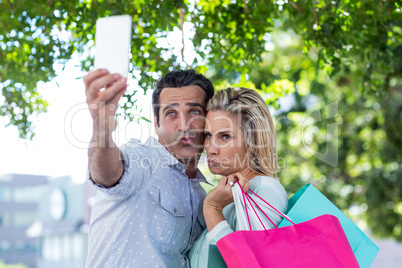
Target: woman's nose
(211,147)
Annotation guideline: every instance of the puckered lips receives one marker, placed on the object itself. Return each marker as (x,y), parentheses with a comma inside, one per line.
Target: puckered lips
(213,162)
(186,140)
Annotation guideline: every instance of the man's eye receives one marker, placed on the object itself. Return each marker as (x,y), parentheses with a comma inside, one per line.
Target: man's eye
(171,114)
(207,135)
(196,112)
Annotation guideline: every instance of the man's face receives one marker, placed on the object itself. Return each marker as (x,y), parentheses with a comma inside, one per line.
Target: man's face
(181,121)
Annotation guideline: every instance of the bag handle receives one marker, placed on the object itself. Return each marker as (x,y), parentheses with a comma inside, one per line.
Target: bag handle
(255,203)
(251,200)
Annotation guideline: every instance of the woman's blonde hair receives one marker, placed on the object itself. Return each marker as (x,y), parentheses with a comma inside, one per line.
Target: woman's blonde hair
(256,123)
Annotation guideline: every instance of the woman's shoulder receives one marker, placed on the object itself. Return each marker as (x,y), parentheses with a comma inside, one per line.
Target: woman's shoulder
(267,181)
(269,185)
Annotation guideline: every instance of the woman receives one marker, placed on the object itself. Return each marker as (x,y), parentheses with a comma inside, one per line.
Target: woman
(240,142)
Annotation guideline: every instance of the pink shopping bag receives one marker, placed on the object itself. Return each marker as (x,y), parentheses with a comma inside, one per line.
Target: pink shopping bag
(319,242)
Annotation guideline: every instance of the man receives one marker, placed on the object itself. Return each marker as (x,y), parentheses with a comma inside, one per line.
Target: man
(148,209)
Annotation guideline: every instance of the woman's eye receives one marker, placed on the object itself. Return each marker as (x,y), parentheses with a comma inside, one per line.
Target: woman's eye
(207,135)
(225,137)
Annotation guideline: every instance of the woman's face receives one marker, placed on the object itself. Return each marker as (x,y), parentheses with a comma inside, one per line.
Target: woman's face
(224,143)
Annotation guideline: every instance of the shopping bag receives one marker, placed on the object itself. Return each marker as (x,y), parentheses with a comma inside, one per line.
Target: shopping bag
(319,242)
(262,218)
(215,259)
(309,203)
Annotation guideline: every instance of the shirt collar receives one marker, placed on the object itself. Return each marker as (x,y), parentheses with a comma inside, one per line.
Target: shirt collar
(200,178)
(162,151)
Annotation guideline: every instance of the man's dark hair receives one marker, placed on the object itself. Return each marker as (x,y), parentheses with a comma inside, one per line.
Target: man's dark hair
(180,78)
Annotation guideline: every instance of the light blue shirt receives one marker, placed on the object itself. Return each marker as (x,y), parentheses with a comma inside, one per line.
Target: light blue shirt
(152,217)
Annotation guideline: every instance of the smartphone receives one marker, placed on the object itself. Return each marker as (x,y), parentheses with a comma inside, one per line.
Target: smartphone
(112,44)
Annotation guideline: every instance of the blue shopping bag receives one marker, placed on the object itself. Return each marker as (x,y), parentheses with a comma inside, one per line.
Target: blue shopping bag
(309,203)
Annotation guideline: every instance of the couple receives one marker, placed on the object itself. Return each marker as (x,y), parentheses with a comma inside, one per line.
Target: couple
(150,209)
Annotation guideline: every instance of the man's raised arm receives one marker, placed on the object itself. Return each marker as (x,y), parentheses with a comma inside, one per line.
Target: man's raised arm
(105,165)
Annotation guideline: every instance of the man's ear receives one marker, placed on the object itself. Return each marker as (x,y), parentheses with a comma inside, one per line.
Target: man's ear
(156,125)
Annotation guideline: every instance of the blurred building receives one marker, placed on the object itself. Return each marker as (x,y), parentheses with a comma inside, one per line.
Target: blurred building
(18,211)
(44,222)
(62,225)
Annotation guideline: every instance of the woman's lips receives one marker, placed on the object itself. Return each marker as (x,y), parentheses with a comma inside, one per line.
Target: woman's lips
(213,163)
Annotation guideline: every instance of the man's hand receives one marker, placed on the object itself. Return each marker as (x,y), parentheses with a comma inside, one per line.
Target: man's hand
(105,165)
(103,104)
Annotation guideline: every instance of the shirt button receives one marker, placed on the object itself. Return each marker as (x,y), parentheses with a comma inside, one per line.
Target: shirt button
(175,210)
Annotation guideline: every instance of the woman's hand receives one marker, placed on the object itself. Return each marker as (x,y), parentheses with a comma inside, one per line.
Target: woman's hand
(220,197)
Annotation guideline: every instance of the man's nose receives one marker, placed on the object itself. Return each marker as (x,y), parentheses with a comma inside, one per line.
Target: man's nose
(184,123)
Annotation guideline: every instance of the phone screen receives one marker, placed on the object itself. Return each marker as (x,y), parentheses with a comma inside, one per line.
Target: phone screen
(112,44)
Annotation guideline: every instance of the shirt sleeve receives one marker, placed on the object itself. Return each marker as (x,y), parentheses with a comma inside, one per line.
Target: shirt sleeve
(133,178)
(220,230)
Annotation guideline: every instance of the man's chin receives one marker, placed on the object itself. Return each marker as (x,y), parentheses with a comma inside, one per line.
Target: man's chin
(194,155)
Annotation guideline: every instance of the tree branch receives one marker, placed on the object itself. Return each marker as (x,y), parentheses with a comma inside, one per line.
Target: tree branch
(396,89)
(195,18)
(315,13)
(9,4)
(245,9)
(195,24)
(295,6)
(182,31)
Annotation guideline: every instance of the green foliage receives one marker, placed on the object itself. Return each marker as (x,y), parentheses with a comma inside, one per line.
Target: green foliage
(345,142)
(360,37)
(228,35)
(329,56)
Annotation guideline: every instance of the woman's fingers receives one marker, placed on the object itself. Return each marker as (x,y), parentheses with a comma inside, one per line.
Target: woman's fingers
(246,186)
(225,185)
(232,179)
(223,181)
(237,177)
(242,180)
